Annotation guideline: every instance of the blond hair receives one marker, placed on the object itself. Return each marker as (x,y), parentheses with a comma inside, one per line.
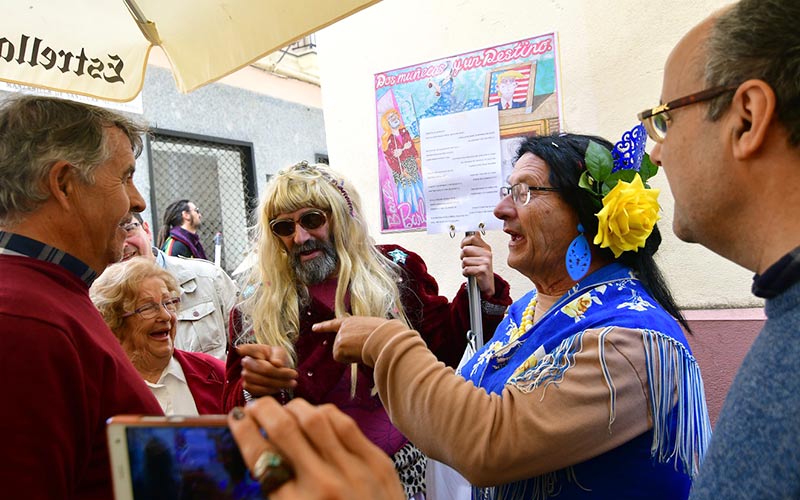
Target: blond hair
(387,129)
(272,312)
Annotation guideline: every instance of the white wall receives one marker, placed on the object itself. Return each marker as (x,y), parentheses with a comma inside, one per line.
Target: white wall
(611,62)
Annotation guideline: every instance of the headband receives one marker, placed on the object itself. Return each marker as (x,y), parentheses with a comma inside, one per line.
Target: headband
(338,184)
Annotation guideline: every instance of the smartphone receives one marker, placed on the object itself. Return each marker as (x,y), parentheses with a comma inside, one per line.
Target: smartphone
(166,458)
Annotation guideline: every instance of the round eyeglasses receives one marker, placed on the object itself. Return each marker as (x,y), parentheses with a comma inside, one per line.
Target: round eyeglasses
(521,192)
(309,221)
(152,309)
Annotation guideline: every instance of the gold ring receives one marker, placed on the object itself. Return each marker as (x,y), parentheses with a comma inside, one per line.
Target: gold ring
(271,471)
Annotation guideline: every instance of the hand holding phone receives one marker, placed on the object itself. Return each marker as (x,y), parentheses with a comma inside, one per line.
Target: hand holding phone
(168,458)
(329,454)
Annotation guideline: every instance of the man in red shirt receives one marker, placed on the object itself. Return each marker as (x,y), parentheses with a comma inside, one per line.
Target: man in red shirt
(66,184)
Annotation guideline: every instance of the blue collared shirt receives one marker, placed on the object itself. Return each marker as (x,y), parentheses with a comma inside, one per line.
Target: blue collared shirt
(16,244)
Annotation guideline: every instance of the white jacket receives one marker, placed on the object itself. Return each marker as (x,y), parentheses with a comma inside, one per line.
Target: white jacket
(207,297)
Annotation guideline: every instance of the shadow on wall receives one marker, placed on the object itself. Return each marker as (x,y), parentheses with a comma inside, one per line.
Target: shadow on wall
(720,340)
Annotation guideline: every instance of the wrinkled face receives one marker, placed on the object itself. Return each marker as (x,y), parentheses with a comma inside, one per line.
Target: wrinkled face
(691,151)
(311,251)
(506,88)
(138,241)
(103,205)
(149,342)
(540,231)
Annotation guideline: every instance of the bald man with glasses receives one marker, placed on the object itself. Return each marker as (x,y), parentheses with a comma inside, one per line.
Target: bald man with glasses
(728,137)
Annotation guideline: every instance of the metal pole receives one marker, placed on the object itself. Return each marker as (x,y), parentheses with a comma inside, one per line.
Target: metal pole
(217,249)
(475,320)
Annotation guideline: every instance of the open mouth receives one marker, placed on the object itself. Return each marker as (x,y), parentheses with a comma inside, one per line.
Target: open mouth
(515,236)
(160,335)
(127,254)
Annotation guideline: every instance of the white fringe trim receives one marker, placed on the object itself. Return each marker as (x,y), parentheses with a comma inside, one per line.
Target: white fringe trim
(671,370)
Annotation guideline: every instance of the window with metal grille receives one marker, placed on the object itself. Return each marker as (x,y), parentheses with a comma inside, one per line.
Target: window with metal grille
(217,175)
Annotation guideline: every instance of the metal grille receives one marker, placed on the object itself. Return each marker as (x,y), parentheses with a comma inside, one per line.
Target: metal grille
(217,175)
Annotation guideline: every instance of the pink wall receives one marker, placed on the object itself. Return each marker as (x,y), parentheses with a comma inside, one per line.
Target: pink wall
(720,340)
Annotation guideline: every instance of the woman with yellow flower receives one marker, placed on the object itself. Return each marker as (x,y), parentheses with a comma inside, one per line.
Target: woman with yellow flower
(588,387)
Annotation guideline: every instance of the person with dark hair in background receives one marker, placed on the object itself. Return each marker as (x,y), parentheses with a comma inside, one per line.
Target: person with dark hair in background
(66,185)
(159,478)
(178,233)
(588,388)
(728,137)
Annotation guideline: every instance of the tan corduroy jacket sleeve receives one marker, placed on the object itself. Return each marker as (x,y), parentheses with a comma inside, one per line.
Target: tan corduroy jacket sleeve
(493,440)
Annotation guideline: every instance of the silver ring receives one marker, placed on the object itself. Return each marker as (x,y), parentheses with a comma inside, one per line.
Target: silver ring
(271,471)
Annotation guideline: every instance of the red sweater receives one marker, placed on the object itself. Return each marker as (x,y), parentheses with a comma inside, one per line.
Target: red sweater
(205,376)
(62,374)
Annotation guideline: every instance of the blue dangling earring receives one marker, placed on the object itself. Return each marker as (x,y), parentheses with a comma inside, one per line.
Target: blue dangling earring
(579,256)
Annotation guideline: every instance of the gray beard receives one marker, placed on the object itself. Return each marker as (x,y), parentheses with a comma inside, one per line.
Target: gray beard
(317,269)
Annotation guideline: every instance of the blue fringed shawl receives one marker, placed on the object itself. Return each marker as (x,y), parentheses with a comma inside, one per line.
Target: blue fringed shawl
(610,297)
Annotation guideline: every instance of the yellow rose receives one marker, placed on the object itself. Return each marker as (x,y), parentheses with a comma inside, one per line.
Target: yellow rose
(629,213)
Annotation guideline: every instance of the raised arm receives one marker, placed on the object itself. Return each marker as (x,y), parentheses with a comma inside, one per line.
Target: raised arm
(525,432)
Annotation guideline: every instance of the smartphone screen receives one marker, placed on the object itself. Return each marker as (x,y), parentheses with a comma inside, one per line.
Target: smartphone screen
(175,461)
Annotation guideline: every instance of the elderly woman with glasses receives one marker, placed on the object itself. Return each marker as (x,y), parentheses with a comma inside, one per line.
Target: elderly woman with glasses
(588,387)
(139,300)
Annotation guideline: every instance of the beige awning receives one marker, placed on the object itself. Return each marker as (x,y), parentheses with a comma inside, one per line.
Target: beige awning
(99,48)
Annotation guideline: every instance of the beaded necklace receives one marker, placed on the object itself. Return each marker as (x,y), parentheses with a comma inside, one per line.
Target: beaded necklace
(525,323)
(500,351)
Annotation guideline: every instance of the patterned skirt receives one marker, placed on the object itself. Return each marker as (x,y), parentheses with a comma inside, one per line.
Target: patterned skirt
(410,464)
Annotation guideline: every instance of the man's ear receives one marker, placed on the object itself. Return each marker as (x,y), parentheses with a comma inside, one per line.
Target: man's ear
(61,181)
(753,111)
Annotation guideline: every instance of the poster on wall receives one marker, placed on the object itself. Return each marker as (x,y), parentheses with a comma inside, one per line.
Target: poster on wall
(518,79)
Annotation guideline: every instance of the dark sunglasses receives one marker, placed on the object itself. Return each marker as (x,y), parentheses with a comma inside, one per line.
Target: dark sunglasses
(309,221)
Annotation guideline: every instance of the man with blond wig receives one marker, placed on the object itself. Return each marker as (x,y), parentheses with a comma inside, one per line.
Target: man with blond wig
(66,184)
(316,261)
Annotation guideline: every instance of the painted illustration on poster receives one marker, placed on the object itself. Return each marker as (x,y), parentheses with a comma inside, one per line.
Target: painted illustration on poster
(519,79)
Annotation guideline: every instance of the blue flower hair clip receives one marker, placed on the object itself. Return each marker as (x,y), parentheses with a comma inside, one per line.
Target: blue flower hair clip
(629,152)
(604,168)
